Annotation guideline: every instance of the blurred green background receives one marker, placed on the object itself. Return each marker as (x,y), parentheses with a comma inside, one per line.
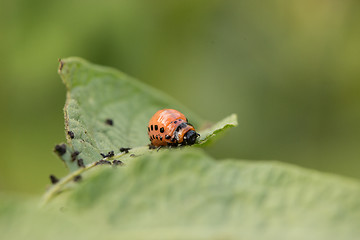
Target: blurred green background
(289,69)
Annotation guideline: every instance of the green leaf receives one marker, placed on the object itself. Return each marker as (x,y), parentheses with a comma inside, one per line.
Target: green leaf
(209,133)
(96,94)
(185,194)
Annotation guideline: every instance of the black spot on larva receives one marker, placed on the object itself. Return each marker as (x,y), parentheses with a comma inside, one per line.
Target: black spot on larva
(162,130)
(157,137)
(156,127)
(173,139)
(181,125)
(80,162)
(71,134)
(148,129)
(74,155)
(167,136)
(175,122)
(126,150)
(152,127)
(77,178)
(153,136)
(160,138)
(109,122)
(60,149)
(53,179)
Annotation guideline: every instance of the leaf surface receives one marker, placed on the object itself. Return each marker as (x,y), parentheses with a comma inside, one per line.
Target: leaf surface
(185,194)
(106,110)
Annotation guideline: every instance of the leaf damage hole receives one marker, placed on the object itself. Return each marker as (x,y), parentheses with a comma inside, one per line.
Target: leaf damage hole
(74,155)
(108,155)
(77,178)
(101,162)
(80,162)
(117,162)
(71,134)
(60,149)
(125,150)
(53,179)
(109,122)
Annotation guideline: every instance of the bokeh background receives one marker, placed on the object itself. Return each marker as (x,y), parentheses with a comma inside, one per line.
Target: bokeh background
(289,69)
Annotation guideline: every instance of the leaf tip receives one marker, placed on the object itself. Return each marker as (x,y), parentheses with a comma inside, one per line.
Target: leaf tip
(211,132)
(233,120)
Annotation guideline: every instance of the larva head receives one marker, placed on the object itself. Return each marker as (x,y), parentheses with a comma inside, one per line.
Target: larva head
(190,137)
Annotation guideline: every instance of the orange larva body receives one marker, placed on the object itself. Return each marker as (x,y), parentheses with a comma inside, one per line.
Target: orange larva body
(170,127)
